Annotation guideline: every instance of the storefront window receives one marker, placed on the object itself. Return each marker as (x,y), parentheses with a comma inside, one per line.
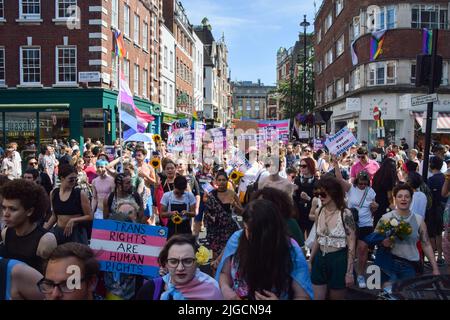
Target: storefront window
(20,127)
(53,125)
(389,130)
(94,124)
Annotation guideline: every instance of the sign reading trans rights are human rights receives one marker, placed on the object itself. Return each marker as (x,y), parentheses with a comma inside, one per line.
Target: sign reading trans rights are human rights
(340,142)
(129,248)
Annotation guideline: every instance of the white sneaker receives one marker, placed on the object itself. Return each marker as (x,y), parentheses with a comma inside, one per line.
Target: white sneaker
(361,282)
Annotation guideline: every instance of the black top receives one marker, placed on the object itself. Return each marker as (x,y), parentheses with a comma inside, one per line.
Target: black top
(24,248)
(70,207)
(304,185)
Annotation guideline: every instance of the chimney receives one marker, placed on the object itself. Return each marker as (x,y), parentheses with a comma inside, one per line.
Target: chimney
(259,82)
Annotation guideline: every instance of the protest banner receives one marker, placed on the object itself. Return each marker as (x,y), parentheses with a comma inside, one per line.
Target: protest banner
(175,140)
(340,142)
(129,248)
(282,127)
(189,145)
(180,124)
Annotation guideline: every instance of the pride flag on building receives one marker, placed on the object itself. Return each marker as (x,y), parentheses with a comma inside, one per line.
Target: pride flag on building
(119,44)
(427,41)
(376,44)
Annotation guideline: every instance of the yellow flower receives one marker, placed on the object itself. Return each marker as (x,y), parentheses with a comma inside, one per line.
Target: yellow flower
(235,176)
(157,138)
(155,163)
(202,255)
(176,219)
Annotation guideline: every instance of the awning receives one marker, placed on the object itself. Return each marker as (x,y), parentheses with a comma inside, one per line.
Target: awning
(419,117)
(443,121)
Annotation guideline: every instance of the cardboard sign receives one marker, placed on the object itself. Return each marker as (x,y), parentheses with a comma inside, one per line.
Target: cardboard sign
(129,248)
(340,142)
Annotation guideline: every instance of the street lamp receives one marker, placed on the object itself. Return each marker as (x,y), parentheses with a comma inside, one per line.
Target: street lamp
(305,24)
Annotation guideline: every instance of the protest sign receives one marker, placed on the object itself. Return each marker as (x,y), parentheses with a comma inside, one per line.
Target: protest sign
(189,145)
(318,145)
(340,142)
(129,248)
(180,124)
(175,140)
(110,151)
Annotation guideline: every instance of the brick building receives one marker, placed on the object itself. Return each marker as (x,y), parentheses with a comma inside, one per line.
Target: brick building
(352,89)
(46,50)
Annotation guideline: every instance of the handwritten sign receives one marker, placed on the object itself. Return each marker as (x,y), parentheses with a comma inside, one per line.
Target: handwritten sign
(129,248)
(175,140)
(340,142)
(180,124)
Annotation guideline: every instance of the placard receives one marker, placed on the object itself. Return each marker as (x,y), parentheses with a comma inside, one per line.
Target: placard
(340,142)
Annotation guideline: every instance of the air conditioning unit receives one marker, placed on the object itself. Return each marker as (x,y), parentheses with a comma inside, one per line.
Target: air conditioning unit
(347,87)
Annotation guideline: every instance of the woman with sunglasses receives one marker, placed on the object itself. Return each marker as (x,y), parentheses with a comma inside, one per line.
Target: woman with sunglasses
(361,198)
(304,193)
(364,164)
(333,253)
(184,280)
(71,208)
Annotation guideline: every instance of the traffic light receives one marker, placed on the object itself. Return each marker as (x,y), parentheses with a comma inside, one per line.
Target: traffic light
(423,70)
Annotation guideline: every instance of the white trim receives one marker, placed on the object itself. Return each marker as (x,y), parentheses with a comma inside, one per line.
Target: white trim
(98,62)
(98,35)
(65,83)
(98,9)
(98,22)
(29,21)
(3,82)
(29,17)
(98,49)
(29,84)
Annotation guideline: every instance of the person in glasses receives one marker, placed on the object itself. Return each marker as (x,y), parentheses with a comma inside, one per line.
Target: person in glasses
(89,166)
(184,280)
(18,281)
(24,205)
(364,163)
(71,273)
(333,252)
(71,208)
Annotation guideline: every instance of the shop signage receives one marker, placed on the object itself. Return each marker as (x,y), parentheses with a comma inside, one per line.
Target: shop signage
(353,104)
(88,76)
(417,101)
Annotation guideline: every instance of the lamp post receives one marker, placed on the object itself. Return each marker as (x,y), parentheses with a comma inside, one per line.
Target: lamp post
(305,24)
(291,103)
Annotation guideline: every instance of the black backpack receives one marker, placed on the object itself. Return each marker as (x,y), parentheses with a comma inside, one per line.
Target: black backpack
(252,188)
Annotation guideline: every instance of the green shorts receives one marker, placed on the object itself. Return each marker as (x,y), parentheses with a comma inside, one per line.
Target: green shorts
(330,269)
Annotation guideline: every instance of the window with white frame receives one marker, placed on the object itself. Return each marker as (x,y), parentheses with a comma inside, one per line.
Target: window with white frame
(319,66)
(145,35)
(171,102)
(114,72)
(2,66)
(328,21)
(384,18)
(355,28)
(137,23)
(62,8)
(30,9)
(126,20)
(171,61)
(444,80)
(66,64)
(144,83)
(430,16)
(2,9)
(155,61)
(319,35)
(164,94)
(155,26)
(126,70)
(30,60)
(340,46)
(166,58)
(248,104)
(355,79)
(382,73)
(319,98)
(339,6)
(136,79)
(329,57)
(257,105)
(339,88)
(115,13)
(329,93)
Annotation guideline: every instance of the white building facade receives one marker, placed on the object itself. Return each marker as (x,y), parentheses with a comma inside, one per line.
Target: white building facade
(167,96)
(198,52)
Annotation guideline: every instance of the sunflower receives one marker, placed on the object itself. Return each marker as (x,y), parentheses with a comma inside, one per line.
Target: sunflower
(235,176)
(176,219)
(157,138)
(155,163)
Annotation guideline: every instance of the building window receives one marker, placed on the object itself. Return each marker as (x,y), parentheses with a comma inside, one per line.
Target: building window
(355,79)
(30,59)
(126,70)
(383,18)
(2,9)
(66,67)
(171,61)
(126,20)
(144,83)
(319,98)
(355,29)
(257,105)
(340,46)
(62,8)
(136,80)
(145,36)
(319,67)
(2,66)
(164,94)
(429,16)
(155,61)
(329,93)
(137,22)
(115,13)
(166,58)
(339,88)
(329,57)
(339,6)
(319,35)
(114,72)
(170,104)
(248,105)
(30,9)
(155,27)
(382,73)
(444,81)
(328,21)
(413,73)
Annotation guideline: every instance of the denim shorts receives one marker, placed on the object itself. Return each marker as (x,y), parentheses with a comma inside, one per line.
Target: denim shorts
(400,269)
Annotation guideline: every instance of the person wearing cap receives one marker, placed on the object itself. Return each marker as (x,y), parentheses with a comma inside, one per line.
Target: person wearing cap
(102,186)
(438,151)
(364,163)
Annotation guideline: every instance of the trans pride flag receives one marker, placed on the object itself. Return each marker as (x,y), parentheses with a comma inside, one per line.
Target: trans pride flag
(376,44)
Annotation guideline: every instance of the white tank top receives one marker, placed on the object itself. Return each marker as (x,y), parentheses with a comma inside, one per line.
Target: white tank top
(336,237)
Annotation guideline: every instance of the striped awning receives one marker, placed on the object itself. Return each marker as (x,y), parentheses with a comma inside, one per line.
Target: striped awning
(443,120)
(419,117)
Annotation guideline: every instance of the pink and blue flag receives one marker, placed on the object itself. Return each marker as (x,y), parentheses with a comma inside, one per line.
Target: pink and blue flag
(427,41)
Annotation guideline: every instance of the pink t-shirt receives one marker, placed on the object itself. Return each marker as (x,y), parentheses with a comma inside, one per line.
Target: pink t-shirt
(370,167)
(91,173)
(103,186)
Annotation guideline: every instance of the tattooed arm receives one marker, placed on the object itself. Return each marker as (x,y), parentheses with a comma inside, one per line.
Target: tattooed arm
(350,230)
(427,249)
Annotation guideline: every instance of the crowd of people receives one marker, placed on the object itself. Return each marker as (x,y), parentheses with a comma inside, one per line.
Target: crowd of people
(301,225)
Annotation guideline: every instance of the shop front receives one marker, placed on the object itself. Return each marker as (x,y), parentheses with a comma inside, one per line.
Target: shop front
(346,114)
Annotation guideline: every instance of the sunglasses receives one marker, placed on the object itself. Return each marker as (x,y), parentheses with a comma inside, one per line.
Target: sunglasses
(307,150)
(303,166)
(321,194)
(32,163)
(362,156)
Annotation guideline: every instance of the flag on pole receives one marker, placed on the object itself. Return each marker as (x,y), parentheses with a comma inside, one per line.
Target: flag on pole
(427,41)
(119,44)
(376,44)
(354,54)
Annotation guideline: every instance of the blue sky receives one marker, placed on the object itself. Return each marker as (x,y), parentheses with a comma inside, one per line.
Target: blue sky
(254,31)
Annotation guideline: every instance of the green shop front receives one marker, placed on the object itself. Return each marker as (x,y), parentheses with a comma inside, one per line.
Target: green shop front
(41,115)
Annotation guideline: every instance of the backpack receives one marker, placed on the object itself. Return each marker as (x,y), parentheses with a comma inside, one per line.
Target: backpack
(252,188)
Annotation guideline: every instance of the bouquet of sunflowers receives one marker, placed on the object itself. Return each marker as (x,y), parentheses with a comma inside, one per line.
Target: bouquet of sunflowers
(394,229)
